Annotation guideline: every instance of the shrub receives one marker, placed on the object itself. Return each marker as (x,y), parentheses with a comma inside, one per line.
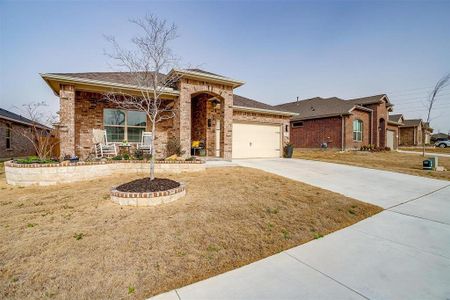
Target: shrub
(192,158)
(117,157)
(174,147)
(126,156)
(34,160)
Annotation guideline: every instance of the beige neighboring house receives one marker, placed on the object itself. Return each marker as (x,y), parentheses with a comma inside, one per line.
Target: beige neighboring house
(393,130)
(229,125)
(413,131)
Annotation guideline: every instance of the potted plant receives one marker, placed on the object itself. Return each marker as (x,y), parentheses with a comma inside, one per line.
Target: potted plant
(288,150)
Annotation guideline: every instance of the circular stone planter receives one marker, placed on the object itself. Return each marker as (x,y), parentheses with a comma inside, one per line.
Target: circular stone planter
(147,199)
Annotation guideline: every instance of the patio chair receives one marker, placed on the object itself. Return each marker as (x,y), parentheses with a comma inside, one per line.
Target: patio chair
(101,145)
(146,142)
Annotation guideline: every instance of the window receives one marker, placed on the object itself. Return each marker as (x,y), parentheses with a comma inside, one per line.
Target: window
(357,130)
(297,124)
(286,128)
(123,125)
(8,136)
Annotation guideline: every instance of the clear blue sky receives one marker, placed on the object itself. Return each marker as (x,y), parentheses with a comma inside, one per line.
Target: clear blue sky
(281,49)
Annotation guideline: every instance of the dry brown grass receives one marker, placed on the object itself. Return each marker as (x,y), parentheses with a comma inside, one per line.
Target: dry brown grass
(72,242)
(390,161)
(429,150)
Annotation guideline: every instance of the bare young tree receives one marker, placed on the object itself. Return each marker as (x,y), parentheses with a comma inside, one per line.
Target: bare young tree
(143,67)
(442,83)
(38,133)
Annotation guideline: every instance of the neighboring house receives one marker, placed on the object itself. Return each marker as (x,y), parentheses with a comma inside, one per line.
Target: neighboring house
(230,126)
(413,131)
(393,131)
(343,124)
(12,141)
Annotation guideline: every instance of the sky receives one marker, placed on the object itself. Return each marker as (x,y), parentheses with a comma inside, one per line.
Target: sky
(281,49)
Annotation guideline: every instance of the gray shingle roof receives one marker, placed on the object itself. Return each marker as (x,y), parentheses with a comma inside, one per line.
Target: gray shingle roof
(247,102)
(411,122)
(318,107)
(369,99)
(6,114)
(112,77)
(395,118)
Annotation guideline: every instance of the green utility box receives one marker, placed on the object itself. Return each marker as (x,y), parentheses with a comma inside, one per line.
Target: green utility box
(430,163)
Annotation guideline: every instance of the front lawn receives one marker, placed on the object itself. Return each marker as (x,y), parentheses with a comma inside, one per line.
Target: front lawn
(72,242)
(389,161)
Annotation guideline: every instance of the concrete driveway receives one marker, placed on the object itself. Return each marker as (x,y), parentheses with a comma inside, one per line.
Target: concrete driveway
(401,253)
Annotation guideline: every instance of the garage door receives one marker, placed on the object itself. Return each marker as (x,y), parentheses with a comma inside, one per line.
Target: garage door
(256,140)
(390,139)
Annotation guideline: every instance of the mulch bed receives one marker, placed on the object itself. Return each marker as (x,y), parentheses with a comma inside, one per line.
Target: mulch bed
(145,185)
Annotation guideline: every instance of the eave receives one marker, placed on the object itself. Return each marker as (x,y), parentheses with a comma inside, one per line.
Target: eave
(54,82)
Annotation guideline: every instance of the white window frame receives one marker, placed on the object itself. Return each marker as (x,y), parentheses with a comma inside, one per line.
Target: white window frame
(358,132)
(125,126)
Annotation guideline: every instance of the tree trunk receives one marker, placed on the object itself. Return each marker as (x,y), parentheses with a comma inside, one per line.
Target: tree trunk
(152,159)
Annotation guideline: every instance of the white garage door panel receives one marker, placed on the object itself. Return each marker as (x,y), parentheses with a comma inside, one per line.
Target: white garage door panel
(390,139)
(256,140)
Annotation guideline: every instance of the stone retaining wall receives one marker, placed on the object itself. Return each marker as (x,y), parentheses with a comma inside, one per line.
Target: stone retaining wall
(50,174)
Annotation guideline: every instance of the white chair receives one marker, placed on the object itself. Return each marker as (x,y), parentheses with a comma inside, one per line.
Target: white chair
(146,142)
(101,145)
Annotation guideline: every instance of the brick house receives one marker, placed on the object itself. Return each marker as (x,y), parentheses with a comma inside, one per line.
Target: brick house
(231,126)
(342,124)
(12,142)
(413,131)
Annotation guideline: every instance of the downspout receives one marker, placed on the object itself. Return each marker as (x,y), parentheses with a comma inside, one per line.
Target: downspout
(342,133)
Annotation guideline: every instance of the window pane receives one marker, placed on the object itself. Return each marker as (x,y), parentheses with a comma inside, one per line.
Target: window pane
(113,117)
(136,118)
(135,134)
(115,134)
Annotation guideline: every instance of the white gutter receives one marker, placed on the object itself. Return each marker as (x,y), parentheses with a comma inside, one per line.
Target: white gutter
(102,83)
(266,111)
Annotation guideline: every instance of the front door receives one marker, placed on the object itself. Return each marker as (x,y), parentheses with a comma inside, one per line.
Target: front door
(217,138)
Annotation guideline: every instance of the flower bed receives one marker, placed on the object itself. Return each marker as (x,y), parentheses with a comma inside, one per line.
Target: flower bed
(66,172)
(147,198)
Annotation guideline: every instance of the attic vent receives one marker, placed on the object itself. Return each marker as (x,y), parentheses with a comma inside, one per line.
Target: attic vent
(312,108)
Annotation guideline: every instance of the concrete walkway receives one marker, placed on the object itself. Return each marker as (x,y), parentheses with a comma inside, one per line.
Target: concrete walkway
(426,153)
(400,253)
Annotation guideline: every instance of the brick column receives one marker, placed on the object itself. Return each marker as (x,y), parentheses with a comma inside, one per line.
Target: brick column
(183,120)
(227,126)
(67,119)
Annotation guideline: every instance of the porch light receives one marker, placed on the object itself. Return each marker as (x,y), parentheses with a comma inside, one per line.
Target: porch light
(215,102)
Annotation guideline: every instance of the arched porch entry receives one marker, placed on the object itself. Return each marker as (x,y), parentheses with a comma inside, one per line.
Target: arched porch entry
(207,124)
(382,133)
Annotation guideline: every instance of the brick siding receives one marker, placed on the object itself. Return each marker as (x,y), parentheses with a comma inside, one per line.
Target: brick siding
(364,116)
(314,132)
(20,145)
